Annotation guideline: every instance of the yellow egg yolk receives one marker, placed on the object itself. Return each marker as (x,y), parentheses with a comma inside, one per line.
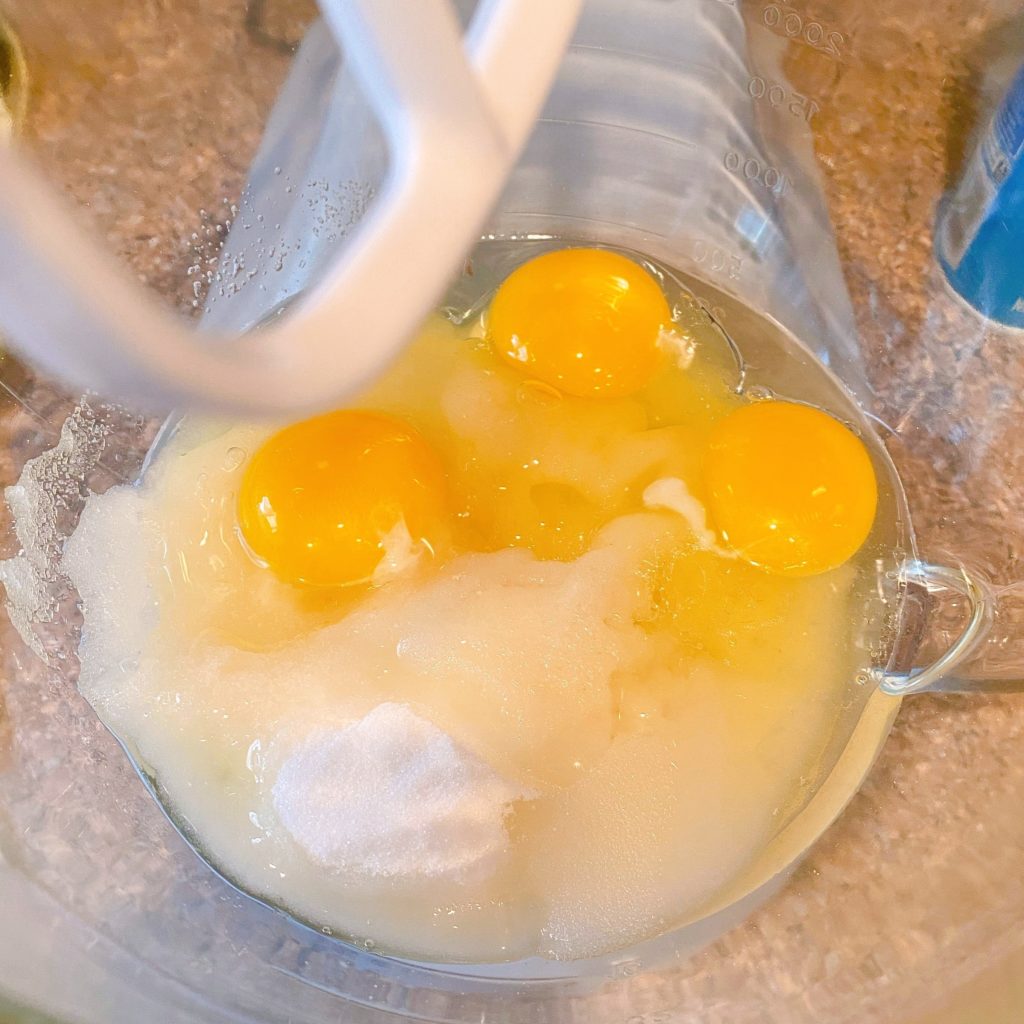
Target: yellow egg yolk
(587,321)
(321,501)
(790,488)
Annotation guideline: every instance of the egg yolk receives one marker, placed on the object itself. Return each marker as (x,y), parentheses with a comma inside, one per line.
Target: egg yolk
(586,321)
(322,501)
(790,488)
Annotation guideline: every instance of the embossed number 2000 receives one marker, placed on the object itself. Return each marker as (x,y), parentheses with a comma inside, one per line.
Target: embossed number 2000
(784,21)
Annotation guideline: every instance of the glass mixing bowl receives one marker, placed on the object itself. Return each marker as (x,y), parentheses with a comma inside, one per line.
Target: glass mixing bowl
(789,157)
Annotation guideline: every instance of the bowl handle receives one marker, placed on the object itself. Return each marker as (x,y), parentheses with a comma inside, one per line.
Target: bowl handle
(985,654)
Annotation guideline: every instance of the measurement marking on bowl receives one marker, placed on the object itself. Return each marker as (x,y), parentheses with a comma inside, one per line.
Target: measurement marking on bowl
(632,129)
(784,21)
(754,170)
(784,98)
(717,259)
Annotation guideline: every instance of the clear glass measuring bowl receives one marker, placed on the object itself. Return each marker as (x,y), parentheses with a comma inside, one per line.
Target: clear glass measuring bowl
(109,916)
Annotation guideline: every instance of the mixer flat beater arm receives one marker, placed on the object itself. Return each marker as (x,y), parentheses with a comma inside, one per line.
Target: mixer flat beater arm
(455,113)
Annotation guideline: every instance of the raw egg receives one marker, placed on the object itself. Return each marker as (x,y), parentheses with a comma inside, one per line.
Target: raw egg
(586,321)
(322,501)
(790,488)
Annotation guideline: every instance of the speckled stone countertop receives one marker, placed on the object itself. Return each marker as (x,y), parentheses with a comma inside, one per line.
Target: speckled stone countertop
(146,113)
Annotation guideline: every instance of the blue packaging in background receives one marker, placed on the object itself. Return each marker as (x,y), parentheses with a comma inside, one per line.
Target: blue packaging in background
(979,237)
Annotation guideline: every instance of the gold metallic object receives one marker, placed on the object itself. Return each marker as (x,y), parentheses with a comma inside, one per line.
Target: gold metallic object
(13,80)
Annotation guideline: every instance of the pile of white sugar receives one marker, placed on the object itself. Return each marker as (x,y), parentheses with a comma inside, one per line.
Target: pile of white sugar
(391,795)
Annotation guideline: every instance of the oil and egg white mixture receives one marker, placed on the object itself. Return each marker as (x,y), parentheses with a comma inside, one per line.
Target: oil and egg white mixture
(529,651)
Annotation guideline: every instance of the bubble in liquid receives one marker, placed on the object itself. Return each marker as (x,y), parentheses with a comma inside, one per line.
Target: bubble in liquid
(233,458)
(537,392)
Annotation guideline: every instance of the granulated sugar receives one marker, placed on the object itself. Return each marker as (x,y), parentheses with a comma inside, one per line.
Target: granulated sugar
(391,795)
(43,503)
